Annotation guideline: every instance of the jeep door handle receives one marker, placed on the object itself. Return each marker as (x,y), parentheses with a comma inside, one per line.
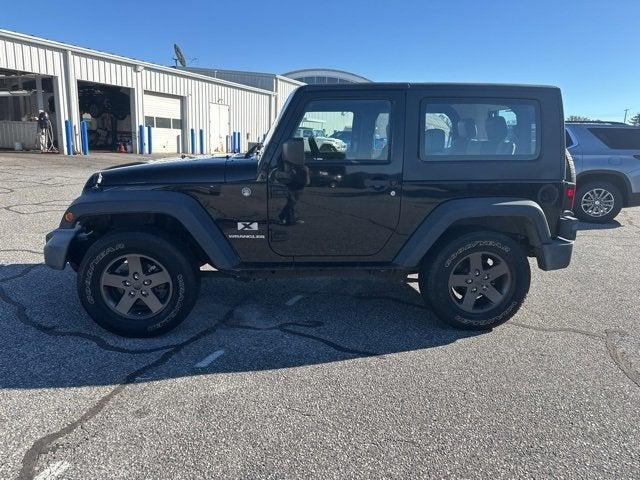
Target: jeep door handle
(377,184)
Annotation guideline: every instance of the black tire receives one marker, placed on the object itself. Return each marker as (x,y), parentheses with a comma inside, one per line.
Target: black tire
(177,295)
(598,217)
(570,167)
(494,249)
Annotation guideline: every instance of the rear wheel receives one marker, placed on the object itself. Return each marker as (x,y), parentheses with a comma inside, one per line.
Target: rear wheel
(137,284)
(598,202)
(476,281)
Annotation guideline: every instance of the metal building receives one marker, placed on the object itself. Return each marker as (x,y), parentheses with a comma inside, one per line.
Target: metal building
(320,76)
(281,85)
(117,98)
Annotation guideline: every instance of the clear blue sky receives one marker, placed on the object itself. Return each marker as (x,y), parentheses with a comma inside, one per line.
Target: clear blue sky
(591,49)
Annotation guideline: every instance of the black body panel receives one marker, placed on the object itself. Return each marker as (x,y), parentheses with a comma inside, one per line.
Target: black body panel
(349,208)
(177,205)
(448,213)
(352,213)
(165,172)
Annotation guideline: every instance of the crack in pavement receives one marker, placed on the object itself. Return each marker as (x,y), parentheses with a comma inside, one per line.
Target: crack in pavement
(33,184)
(21,313)
(284,328)
(24,184)
(557,330)
(20,250)
(609,237)
(23,317)
(609,337)
(366,296)
(25,172)
(47,443)
(24,272)
(62,204)
(50,442)
(619,357)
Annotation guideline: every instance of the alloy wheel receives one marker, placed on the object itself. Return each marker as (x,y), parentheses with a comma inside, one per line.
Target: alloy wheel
(597,202)
(136,286)
(479,282)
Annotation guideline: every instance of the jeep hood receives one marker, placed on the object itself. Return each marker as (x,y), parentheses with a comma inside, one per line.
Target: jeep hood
(180,171)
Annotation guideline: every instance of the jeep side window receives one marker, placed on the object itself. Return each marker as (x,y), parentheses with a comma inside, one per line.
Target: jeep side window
(470,129)
(354,130)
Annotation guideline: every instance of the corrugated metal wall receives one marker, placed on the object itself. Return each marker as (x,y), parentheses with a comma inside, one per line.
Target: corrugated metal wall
(23,132)
(251,109)
(16,54)
(284,88)
(263,81)
(99,70)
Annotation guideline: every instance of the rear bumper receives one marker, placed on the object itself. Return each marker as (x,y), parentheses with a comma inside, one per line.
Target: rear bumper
(57,247)
(556,254)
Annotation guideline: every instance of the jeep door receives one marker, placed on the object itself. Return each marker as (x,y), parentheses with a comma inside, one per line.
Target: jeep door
(345,200)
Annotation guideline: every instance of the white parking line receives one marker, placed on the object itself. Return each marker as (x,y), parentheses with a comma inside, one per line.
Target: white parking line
(294,300)
(53,471)
(206,361)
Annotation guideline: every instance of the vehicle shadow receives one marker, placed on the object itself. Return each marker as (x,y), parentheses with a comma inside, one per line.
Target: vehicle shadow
(598,226)
(49,342)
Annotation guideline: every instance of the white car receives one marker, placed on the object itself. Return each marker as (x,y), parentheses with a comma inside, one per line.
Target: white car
(321,139)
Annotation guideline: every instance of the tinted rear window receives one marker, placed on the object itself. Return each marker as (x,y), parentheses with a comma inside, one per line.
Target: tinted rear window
(618,138)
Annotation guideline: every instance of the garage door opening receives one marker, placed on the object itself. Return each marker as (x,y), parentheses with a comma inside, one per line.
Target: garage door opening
(23,96)
(107,111)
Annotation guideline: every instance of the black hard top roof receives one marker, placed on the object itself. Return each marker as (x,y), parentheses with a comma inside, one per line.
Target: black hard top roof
(409,85)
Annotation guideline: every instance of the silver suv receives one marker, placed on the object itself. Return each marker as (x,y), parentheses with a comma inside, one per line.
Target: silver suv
(607,159)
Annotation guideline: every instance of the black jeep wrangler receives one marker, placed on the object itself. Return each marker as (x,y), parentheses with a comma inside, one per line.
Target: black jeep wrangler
(458,183)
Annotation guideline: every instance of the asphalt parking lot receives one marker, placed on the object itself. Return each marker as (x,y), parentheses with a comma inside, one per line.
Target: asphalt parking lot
(320,378)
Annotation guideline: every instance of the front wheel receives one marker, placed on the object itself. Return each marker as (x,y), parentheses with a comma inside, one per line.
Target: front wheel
(137,284)
(476,281)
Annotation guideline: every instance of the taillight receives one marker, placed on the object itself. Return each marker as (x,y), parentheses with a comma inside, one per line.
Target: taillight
(569,196)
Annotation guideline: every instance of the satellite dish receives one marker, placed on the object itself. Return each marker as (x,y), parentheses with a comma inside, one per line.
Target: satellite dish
(179,56)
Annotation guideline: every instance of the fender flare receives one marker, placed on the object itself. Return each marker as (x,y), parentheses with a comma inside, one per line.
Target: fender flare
(446,214)
(183,208)
(628,190)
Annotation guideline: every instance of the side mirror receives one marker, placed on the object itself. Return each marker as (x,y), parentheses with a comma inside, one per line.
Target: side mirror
(293,151)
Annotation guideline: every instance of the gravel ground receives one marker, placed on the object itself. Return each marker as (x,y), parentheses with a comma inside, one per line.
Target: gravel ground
(322,378)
